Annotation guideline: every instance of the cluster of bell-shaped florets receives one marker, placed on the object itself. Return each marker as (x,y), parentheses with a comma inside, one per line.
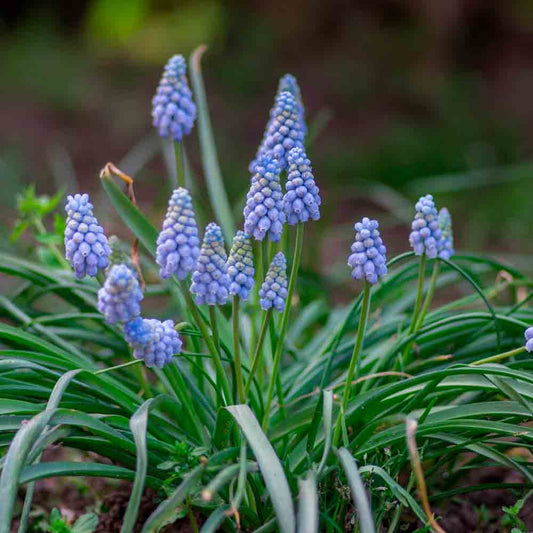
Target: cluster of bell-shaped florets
(273,292)
(210,280)
(119,298)
(302,200)
(528,334)
(288,83)
(368,259)
(263,212)
(425,237)
(178,244)
(240,266)
(153,341)
(446,242)
(173,110)
(86,246)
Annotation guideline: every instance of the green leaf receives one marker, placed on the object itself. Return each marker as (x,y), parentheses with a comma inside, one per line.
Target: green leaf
(48,238)
(313,428)
(223,425)
(308,506)
(213,523)
(327,421)
(86,523)
(270,466)
(20,227)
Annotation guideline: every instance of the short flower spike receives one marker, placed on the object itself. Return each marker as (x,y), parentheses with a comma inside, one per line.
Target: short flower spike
(118,256)
(86,246)
(178,244)
(368,259)
(210,280)
(240,266)
(446,242)
(426,235)
(284,131)
(302,200)
(173,110)
(288,83)
(263,212)
(153,341)
(119,299)
(528,334)
(273,292)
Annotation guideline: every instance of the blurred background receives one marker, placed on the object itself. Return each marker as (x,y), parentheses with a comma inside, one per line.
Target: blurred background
(404,98)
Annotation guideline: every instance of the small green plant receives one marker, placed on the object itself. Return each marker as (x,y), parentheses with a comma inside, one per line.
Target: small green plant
(511,519)
(86,523)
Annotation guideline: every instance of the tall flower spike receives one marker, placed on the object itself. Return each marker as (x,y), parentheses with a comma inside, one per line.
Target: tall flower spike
(263,212)
(173,110)
(119,298)
(446,242)
(284,130)
(288,83)
(240,266)
(210,280)
(528,334)
(86,246)
(426,235)
(273,292)
(178,243)
(368,259)
(152,340)
(301,201)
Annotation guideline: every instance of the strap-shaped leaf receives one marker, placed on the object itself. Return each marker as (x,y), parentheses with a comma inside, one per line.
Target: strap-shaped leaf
(308,506)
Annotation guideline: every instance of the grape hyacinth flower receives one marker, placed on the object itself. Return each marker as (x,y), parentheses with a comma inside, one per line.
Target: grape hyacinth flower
(368,259)
(284,131)
(446,242)
(178,244)
(173,110)
(86,246)
(426,235)
(288,83)
(529,339)
(301,201)
(240,266)
(153,341)
(210,280)
(119,298)
(273,292)
(263,212)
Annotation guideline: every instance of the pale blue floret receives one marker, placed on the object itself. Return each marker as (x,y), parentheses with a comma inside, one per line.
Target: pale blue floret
(263,212)
(86,246)
(368,259)
(273,292)
(446,243)
(178,244)
(426,235)
(153,341)
(240,266)
(119,298)
(528,334)
(288,83)
(173,110)
(302,200)
(210,280)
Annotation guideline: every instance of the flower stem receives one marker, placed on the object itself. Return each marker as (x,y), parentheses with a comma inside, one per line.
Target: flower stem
(237,350)
(180,163)
(123,365)
(499,357)
(429,295)
(363,319)
(284,319)
(214,328)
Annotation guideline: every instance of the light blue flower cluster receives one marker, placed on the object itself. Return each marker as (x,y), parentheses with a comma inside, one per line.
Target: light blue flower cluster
(153,341)
(240,266)
(284,131)
(302,200)
(210,280)
(263,212)
(273,292)
(178,244)
(426,235)
(368,259)
(288,83)
(119,298)
(529,339)
(86,246)
(446,242)
(173,110)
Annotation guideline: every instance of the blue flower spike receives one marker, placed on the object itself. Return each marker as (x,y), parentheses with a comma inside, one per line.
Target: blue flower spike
(446,242)
(528,334)
(369,255)
(426,235)
(86,246)
(153,341)
(240,266)
(273,292)
(173,110)
(210,280)
(178,243)
(302,200)
(263,212)
(288,83)
(119,298)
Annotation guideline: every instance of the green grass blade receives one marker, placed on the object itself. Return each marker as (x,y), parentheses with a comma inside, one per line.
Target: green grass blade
(327,421)
(308,506)
(215,520)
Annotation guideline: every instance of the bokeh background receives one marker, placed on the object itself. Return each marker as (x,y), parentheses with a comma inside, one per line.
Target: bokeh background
(405,97)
